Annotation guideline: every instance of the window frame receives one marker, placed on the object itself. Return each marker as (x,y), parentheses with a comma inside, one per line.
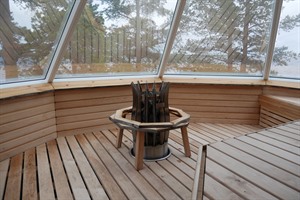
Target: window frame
(94,81)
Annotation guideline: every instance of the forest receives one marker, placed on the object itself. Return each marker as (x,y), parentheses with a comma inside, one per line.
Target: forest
(129,36)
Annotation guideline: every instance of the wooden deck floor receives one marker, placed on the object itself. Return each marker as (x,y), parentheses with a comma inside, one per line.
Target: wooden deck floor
(88,166)
(262,165)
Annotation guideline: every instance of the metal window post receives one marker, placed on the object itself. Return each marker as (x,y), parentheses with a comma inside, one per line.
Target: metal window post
(171,36)
(65,37)
(274,29)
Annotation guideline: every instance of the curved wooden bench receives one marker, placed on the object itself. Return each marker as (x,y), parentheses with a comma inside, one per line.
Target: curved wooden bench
(276,110)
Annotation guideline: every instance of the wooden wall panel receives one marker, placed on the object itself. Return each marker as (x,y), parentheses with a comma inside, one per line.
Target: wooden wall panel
(281,91)
(25,122)
(29,120)
(78,110)
(269,119)
(276,110)
(217,103)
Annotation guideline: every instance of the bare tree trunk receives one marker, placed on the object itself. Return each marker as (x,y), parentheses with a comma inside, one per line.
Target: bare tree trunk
(230,50)
(138,32)
(9,48)
(230,37)
(245,38)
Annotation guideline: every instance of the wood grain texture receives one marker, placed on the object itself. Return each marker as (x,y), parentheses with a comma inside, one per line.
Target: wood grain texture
(217,103)
(13,185)
(4,165)
(88,108)
(260,165)
(46,190)
(25,90)
(276,109)
(29,177)
(27,119)
(26,122)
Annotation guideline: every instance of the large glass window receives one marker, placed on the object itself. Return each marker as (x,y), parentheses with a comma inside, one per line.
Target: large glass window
(118,38)
(222,37)
(286,58)
(28,31)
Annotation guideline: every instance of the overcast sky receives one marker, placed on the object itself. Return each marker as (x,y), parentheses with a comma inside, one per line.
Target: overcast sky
(292,38)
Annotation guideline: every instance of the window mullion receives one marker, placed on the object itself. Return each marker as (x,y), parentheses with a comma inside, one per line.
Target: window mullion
(171,37)
(274,29)
(65,38)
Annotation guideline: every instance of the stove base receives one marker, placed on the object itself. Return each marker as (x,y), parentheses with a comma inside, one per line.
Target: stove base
(154,153)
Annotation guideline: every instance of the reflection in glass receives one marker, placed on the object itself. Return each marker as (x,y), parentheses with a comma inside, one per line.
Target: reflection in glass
(222,37)
(286,58)
(28,30)
(113,38)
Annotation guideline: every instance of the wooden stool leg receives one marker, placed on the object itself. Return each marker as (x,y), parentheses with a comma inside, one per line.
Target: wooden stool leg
(139,150)
(185,140)
(119,138)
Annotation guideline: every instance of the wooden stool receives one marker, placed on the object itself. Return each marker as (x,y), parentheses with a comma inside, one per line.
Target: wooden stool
(119,119)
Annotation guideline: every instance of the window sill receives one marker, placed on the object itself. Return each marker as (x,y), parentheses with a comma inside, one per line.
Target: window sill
(90,83)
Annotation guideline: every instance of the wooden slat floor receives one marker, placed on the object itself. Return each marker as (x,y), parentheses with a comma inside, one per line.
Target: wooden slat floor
(262,165)
(88,166)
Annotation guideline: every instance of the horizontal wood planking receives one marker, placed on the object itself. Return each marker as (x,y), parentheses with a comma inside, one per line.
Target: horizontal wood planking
(33,143)
(211,103)
(13,104)
(262,165)
(268,119)
(26,138)
(91,93)
(81,124)
(18,115)
(217,103)
(281,91)
(12,92)
(225,121)
(86,109)
(95,162)
(93,102)
(86,129)
(88,116)
(27,129)
(4,166)
(276,110)
(216,89)
(289,103)
(89,109)
(270,185)
(26,122)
